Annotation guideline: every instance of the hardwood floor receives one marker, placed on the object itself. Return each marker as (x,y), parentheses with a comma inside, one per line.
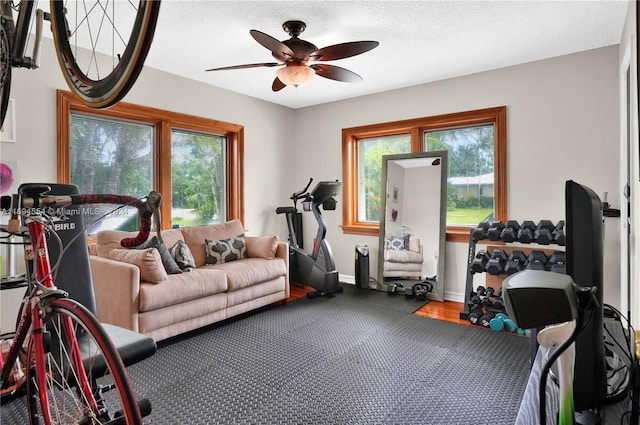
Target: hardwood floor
(448,311)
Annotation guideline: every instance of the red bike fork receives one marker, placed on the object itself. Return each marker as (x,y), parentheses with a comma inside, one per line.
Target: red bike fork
(44,276)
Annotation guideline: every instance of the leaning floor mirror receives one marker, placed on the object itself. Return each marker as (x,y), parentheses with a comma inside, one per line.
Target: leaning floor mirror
(413,220)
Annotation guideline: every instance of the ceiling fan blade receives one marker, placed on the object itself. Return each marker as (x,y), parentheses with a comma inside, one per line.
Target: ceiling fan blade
(280,51)
(277,85)
(336,73)
(343,50)
(250,65)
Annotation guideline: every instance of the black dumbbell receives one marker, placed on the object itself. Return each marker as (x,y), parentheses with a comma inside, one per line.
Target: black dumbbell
(496,263)
(475,314)
(486,300)
(494,230)
(478,264)
(526,232)
(558,233)
(486,318)
(544,232)
(537,260)
(498,303)
(480,232)
(516,262)
(558,262)
(477,296)
(420,291)
(510,231)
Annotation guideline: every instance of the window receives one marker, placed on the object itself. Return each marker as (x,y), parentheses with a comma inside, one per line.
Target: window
(197,178)
(195,163)
(476,141)
(370,152)
(470,187)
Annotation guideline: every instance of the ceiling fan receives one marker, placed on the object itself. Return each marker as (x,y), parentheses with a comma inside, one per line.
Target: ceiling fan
(299,59)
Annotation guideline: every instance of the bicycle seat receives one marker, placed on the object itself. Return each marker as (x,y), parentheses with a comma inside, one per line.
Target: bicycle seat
(285,210)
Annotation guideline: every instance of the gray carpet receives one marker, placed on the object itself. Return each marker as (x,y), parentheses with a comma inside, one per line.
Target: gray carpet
(353,358)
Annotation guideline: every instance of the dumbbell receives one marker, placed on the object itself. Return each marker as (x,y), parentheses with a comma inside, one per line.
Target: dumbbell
(420,291)
(498,303)
(558,233)
(394,288)
(502,322)
(486,300)
(485,319)
(475,314)
(480,232)
(526,232)
(558,262)
(510,231)
(537,260)
(516,262)
(477,297)
(478,264)
(544,232)
(495,230)
(496,263)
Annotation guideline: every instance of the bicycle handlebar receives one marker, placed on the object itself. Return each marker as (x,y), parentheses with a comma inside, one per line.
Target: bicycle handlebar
(146,208)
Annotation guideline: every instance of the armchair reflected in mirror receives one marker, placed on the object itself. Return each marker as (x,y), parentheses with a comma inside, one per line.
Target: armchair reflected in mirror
(413,220)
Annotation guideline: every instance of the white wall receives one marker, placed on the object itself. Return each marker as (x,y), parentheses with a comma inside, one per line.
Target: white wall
(266,140)
(562,120)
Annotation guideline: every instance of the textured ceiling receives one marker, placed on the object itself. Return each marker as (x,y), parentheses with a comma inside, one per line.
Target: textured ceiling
(420,41)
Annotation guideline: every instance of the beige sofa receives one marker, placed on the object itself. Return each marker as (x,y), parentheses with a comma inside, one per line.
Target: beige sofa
(134,290)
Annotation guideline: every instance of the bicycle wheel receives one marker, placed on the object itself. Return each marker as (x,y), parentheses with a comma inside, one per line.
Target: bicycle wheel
(66,401)
(5,73)
(102,48)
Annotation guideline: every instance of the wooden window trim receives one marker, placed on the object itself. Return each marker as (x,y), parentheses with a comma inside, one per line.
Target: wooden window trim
(416,127)
(164,121)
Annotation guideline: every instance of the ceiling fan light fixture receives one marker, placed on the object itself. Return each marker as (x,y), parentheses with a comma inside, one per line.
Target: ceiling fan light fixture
(295,74)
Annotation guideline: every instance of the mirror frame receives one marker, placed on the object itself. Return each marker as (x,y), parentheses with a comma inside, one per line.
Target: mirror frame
(438,292)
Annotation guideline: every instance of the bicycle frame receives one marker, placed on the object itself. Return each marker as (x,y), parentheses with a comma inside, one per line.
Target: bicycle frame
(31,318)
(18,33)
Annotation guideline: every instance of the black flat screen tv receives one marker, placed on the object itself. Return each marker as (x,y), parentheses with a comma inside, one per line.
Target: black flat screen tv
(585,263)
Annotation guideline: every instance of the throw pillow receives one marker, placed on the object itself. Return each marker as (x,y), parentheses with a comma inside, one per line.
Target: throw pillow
(225,250)
(399,243)
(168,262)
(148,261)
(183,257)
(262,247)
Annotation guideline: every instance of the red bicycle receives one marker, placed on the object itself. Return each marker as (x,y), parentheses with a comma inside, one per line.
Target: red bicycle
(60,355)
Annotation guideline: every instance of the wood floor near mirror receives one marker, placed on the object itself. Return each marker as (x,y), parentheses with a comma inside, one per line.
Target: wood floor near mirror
(449,311)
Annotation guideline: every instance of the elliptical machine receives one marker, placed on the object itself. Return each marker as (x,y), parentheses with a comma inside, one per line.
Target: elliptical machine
(316,269)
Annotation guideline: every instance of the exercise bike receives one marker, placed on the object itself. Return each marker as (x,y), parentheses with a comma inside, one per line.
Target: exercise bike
(316,269)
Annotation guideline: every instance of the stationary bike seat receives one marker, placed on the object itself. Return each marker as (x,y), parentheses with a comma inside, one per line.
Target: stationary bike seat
(285,210)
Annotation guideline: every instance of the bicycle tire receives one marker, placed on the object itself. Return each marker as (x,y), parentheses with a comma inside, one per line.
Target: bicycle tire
(5,68)
(107,90)
(67,403)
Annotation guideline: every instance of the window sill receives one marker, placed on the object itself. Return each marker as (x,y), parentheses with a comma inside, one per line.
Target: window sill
(454,233)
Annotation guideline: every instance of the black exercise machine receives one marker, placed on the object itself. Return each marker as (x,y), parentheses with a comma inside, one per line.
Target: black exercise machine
(316,269)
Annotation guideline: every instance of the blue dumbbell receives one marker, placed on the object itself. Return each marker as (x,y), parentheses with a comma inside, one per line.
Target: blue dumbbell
(502,322)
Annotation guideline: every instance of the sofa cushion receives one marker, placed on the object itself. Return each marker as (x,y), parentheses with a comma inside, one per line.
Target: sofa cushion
(225,250)
(251,271)
(195,236)
(168,262)
(179,288)
(262,247)
(148,261)
(183,257)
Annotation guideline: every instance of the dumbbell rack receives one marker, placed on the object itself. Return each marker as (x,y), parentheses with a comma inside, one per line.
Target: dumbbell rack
(495,244)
